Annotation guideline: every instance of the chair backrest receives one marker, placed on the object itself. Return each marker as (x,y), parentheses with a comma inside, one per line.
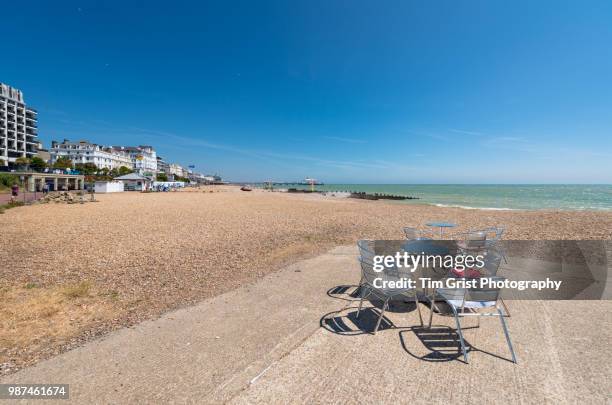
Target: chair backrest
(367,270)
(484,294)
(492,261)
(475,240)
(366,249)
(493,233)
(388,274)
(411,233)
(499,231)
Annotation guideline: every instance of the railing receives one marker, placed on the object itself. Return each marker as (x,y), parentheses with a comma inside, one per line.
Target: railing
(22,196)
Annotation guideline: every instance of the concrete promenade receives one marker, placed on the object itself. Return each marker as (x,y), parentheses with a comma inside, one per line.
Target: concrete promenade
(292,337)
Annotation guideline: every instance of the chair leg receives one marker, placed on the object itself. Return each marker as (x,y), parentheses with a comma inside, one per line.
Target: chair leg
(384,307)
(361,300)
(503,322)
(506,311)
(460,333)
(431,305)
(416,302)
(360,285)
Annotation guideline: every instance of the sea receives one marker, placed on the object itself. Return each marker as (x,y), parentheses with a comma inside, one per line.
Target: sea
(491,196)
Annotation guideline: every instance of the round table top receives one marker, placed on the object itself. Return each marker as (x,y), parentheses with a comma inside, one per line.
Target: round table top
(441,224)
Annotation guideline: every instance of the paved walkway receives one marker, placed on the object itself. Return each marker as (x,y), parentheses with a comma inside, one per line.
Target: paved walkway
(22,197)
(293,338)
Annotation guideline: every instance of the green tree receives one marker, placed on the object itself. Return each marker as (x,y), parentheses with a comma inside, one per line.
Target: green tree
(162,177)
(7,180)
(86,168)
(63,163)
(124,170)
(37,163)
(22,161)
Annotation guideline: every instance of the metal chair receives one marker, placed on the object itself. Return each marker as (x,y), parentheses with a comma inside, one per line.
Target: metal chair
(366,252)
(473,300)
(492,261)
(493,235)
(471,242)
(370,278)
(366,249)
(417,234)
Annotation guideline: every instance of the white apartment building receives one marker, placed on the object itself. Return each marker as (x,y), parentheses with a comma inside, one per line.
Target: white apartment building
(143,158)
(177,170)
(18,126)
(86,152)
(162,166)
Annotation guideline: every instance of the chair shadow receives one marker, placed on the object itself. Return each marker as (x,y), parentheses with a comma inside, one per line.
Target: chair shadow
(345,292)
(442,342)
(346,323)
(439,339)
(352,293)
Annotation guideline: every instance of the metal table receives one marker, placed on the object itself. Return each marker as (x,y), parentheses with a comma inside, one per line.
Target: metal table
(441,225)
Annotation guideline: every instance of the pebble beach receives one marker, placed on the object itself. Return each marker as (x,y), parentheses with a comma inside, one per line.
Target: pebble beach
(72,272)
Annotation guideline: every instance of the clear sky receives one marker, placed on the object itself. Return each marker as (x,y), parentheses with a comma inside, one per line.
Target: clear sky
(344,91)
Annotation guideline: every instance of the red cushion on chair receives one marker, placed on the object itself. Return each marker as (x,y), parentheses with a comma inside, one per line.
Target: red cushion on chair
(468,273)
(458,272)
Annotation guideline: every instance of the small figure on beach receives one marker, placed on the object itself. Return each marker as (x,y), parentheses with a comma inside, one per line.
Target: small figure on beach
(14,192)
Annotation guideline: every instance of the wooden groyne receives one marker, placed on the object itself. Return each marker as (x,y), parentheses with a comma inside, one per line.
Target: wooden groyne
(376,196)
(358,194)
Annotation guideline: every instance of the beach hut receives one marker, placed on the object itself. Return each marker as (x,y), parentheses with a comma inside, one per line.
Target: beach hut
(114,186)
(135,182)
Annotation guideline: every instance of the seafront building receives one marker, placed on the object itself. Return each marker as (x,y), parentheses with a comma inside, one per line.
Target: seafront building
(135,182)
(86,152)
(43,153)
(143,158)
(177,170)
(162,165)
(19,139)
(18,126)
(197,177)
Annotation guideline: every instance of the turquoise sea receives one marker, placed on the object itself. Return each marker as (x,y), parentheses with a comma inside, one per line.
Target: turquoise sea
(492,196)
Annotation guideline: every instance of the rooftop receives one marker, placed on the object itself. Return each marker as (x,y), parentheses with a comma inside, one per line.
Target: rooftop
(132,176)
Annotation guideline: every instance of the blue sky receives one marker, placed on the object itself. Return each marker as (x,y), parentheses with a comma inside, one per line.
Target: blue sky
(344,91)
